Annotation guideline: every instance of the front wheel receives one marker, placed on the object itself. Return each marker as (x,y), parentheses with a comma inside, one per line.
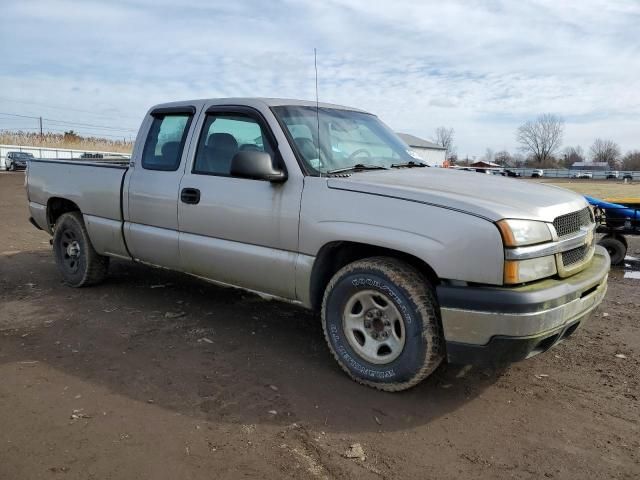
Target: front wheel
(381,321)
(11,167)
(75,256)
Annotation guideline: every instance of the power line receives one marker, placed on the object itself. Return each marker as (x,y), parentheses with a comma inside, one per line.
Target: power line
(62,122)
(45,105)
(78,124)
(16,115)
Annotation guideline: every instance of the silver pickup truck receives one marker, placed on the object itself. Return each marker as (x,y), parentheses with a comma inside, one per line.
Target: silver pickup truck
(324,206)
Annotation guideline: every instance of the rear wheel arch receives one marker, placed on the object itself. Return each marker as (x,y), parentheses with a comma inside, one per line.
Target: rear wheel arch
(335,255)
(56,206)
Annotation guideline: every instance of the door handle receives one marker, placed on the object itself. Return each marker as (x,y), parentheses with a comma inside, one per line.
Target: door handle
(190,195)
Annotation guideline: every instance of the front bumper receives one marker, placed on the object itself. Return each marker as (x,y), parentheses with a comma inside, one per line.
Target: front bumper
(497,325)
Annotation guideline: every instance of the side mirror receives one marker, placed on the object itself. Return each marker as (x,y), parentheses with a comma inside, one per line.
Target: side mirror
(256,165)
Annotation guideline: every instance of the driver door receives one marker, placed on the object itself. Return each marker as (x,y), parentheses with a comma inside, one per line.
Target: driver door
(238,231)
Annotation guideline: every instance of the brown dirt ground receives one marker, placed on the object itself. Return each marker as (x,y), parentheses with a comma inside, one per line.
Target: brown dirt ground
(151,399)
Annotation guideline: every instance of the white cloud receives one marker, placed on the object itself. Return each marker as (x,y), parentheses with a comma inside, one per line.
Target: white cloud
(481,67)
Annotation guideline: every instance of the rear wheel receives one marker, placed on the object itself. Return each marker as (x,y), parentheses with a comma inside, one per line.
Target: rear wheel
(75,256)
(617,249)
(381,321)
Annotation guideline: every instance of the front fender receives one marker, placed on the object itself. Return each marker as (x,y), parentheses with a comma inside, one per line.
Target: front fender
(456,245)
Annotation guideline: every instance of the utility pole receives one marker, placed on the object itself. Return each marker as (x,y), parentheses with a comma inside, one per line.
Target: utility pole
(40,127)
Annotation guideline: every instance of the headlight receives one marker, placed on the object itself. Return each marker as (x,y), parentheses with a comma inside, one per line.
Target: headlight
(521,271)
(516,233)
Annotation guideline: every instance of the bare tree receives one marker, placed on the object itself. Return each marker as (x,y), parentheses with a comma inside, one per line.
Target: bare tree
(518,160)
(631,160)
(444,138)
(542,137)
(503,158)
(605,151)
(573,155)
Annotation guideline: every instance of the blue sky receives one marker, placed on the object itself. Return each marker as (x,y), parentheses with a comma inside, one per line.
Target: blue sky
(481,67)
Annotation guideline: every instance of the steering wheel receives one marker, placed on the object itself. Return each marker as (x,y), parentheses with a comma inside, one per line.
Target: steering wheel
(359,151)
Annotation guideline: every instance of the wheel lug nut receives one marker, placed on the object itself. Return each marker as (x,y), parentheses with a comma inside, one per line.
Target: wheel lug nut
(387,323)
(367,324)
(374,335)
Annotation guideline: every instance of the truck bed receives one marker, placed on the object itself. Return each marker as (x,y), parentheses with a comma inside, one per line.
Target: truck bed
(94,186)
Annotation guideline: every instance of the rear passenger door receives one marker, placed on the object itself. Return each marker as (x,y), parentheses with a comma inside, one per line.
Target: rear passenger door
(238,231)
(152,227)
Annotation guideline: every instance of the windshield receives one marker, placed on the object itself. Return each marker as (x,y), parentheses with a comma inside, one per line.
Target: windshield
(347,138)
(23,155)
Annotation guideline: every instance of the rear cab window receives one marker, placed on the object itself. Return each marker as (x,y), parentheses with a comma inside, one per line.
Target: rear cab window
(165,141)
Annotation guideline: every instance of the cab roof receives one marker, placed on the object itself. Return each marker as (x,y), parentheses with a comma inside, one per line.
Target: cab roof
(254,101)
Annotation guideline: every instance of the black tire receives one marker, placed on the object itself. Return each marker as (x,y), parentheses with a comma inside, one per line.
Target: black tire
(75,256)
(413,298)
(617,249)
(11,167)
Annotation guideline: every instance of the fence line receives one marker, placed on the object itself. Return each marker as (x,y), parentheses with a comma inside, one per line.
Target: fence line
(566,173)
(53,153)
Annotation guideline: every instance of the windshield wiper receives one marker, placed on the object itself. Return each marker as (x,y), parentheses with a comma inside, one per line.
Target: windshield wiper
(357,168)
(409,164)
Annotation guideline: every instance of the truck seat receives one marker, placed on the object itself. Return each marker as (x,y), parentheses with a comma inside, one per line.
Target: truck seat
(220,149)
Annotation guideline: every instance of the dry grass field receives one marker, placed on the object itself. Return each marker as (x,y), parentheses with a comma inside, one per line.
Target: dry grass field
(596,188)
(57,140)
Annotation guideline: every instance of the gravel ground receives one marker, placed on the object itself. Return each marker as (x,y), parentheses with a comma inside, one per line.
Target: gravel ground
(156,375)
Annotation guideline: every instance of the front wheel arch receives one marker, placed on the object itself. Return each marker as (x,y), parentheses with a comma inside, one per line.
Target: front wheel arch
(335,255)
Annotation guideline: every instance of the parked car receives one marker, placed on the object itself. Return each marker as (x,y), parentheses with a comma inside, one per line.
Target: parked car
(537,173)
(613,174)
(91,155)
(483,170)
(17,160)
(512,173)
(383,248)
(627,176)
(582,174)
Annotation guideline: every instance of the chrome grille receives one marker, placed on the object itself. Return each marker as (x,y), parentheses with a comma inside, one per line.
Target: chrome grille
(571,222)
(575,255)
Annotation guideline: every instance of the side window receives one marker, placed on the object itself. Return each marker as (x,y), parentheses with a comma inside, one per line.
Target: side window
(224,135)
(163,148)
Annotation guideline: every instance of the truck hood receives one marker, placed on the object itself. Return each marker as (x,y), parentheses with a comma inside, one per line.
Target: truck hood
(489,196)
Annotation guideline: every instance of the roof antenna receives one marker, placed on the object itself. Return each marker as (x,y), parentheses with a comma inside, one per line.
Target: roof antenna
(315,65)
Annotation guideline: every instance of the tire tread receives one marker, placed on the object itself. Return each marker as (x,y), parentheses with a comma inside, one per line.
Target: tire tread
(421,293)
(97,265)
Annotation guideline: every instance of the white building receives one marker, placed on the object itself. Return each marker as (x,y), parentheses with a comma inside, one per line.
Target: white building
(433,154)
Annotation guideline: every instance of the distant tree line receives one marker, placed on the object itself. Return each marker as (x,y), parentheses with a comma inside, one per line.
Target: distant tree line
(540,143)
(540,140)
